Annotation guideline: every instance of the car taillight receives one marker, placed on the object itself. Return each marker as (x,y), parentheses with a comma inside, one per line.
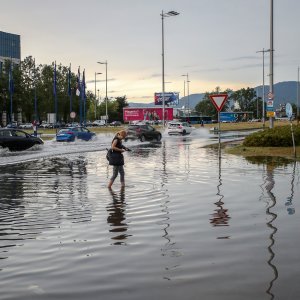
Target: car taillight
(69,132)
(180,127)
(138,129)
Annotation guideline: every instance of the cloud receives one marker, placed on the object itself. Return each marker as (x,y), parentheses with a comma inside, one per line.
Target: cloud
(252,57)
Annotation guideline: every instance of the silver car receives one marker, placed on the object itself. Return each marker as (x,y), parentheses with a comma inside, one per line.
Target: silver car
(180,128)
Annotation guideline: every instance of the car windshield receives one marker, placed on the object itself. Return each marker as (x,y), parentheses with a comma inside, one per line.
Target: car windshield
(64,130)
(174,124)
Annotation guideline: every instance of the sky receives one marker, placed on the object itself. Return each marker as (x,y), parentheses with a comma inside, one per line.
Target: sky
(215,42)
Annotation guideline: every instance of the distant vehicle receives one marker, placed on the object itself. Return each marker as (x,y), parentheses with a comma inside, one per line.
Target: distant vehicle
(69,134)
(26,126)
(73,124)
(142,132)
(254,120)
(43,125)
(182,128)
(115,123)
(12,125)
(88,124)
(17,140)
(196,119)
(99,123)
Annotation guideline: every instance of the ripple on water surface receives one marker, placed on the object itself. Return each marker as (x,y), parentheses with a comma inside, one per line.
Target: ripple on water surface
(187,225)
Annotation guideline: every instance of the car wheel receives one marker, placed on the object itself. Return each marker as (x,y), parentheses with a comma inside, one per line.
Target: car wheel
(142,138)
(158,138)
(183,132)
(125,140)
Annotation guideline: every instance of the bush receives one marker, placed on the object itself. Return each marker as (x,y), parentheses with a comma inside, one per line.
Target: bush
(280,136)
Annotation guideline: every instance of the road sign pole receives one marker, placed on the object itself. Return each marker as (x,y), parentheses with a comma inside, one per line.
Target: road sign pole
(219,133)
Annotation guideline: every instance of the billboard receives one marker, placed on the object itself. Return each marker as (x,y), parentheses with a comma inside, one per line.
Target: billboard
(170,98)
(146,114)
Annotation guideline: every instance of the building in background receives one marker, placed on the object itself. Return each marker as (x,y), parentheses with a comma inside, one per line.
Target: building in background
(10,47)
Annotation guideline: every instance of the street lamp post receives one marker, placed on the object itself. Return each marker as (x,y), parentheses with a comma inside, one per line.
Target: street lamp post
(188,92)
(263,51)
(95,94)
(105,63)
(271,58)
(163,15)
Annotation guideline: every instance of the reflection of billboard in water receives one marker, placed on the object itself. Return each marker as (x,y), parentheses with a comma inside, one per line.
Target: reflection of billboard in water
(170,98)
(147,114)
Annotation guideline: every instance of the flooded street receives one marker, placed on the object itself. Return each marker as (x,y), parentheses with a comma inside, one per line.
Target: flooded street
(191,223)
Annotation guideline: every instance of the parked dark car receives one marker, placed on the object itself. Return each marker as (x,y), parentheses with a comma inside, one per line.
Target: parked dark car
(143,132)
(115,123)
(17,140)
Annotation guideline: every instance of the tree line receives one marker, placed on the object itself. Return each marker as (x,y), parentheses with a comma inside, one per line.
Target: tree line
(243,100)
(31,89)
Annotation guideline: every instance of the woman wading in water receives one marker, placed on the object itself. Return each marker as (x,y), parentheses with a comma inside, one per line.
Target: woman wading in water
(117,159)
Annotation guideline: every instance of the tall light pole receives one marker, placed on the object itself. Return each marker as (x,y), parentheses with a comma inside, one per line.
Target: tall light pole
(188,91)
(263,51)
(105,63)
(271,58)
(95,94)
(164,15)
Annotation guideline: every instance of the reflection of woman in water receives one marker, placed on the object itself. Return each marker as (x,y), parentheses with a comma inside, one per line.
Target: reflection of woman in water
(116,216)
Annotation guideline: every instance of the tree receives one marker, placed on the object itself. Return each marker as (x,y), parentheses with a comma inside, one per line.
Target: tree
(205,106)
(245,98)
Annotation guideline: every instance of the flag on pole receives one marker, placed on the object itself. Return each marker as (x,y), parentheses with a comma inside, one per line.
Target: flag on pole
(78,82)
(69,81)
(10,81)
(83,84)
(54,80)
(83,96)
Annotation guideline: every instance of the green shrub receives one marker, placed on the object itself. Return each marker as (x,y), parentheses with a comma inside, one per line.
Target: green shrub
(280,136)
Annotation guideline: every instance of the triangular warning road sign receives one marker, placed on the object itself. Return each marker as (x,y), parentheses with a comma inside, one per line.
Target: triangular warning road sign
(218,100)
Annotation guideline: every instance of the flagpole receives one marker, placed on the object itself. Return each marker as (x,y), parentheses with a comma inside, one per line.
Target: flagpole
(70,89)
(11,91)
(80,101)
(35,99)
(83,96)
(55,95)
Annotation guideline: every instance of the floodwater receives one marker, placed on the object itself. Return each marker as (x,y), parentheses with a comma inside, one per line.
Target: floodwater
(191,223)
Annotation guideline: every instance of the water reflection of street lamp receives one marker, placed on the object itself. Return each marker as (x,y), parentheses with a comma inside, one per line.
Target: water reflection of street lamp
(163,15)
(95,94)
(105,63)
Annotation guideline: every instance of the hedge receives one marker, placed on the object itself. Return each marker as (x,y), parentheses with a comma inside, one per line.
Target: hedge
(280,136)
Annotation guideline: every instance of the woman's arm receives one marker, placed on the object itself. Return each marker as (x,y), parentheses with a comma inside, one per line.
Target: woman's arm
(115,148)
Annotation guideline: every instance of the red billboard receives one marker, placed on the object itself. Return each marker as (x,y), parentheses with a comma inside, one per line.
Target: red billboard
(147,114)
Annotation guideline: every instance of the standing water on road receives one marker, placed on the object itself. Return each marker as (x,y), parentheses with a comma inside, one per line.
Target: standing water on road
(191,223)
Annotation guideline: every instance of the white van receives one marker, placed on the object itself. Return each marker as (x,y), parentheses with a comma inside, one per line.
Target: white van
(99,123)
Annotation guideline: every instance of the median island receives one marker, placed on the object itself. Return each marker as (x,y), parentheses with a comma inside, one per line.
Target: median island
(275,142)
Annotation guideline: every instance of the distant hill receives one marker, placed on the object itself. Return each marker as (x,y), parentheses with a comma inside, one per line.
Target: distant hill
(284,92)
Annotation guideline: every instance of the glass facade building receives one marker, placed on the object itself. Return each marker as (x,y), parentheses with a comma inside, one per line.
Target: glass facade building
(10,47)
